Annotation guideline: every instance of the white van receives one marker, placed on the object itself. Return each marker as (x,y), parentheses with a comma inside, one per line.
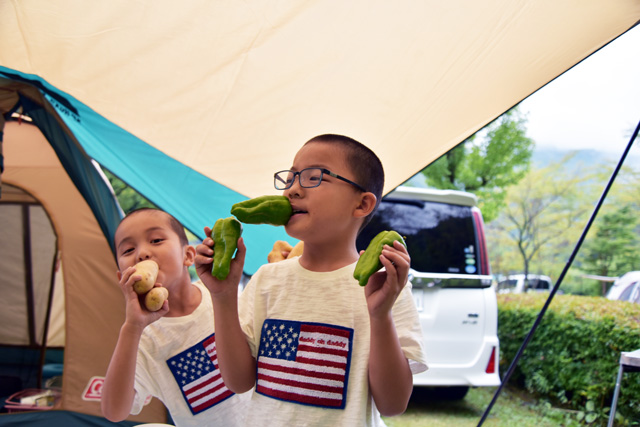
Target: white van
(451,281)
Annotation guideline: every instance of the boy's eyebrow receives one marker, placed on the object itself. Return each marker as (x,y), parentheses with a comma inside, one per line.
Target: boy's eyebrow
(314,165)
(128,238)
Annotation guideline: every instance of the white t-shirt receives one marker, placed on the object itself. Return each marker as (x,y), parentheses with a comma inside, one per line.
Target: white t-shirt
(177,364)
(309,333)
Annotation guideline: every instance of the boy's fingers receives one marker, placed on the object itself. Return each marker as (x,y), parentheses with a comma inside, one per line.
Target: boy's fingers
(204,250)
(242,251)
(201,259)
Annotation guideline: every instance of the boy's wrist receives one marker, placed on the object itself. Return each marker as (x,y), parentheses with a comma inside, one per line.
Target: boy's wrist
(131,329)
(382,319)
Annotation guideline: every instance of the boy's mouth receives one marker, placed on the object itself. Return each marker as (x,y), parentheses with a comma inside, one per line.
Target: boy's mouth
(298,211)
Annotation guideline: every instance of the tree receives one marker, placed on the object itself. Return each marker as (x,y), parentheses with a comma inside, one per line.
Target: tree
(486,167)
(613,249)
(128,198)
(541,211)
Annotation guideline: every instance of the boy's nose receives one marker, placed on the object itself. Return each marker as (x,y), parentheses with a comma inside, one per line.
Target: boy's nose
(142,255)
(294,191)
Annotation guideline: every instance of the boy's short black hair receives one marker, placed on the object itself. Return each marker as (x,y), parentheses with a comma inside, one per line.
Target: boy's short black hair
(364,164)
(173,223)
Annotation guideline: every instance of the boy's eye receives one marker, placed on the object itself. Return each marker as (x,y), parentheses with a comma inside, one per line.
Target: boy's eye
(156,240)
(126,251)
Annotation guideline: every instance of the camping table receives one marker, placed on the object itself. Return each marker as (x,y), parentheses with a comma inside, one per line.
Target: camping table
(631,362)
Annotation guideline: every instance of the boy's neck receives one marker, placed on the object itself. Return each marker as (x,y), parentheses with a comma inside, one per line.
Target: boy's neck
(328,257)
(186,298)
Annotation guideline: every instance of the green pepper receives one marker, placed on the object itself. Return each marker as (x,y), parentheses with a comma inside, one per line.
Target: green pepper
(274,210)
(369,261)
(225,235)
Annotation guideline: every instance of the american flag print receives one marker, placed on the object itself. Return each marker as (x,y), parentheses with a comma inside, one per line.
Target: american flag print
(306,363)
(198,376)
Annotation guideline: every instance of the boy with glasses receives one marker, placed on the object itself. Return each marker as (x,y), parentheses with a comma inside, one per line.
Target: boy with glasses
(318,348)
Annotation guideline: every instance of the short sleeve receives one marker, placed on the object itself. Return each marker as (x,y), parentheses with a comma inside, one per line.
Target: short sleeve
(407,322)
(142,396)
(246,307)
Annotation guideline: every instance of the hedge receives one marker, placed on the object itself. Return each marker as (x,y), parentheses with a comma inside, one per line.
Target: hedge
(573,357)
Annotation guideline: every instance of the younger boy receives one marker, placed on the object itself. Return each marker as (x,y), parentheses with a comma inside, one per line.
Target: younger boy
(320,349)
(169,354)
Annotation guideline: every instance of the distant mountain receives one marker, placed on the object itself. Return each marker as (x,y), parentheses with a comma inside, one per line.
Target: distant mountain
(568,159)
(571,159)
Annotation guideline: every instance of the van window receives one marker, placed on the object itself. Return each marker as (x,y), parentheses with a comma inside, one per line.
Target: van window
(539,284)
(507,285)
(440,237)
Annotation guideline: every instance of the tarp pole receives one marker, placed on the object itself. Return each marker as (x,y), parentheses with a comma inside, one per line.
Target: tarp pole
(514,362)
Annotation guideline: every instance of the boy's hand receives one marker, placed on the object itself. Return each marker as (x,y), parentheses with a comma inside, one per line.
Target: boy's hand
(136,315)
(384,286)
(204,261)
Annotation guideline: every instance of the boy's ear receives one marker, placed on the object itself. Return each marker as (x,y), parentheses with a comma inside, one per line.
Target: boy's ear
(189,255)
(367,204)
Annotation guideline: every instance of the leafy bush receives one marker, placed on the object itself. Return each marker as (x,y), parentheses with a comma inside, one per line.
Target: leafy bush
(573,357)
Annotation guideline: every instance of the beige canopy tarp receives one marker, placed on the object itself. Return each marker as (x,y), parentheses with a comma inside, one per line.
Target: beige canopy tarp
(232,89)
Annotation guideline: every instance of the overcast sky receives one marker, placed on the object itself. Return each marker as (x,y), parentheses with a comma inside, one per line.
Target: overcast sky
(595,105)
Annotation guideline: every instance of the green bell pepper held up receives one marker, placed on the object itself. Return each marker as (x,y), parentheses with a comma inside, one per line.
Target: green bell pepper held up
(369,261)
(225,235)
(274,210)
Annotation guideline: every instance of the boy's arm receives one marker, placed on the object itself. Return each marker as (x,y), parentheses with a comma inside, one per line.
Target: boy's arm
(118,390)
(390,378)
(237,365)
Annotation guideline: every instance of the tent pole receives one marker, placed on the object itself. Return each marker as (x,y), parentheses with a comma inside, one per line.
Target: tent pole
(28,280)
(45,332)
(514,362)
(28,272)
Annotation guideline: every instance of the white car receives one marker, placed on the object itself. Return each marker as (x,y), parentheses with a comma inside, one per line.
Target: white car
(451,282)
(516,284)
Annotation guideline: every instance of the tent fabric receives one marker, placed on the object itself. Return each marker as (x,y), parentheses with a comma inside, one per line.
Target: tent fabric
(232,89)
(173,186)
(68,243)
(38,247)
(196,105)
(14,317)
(29,98)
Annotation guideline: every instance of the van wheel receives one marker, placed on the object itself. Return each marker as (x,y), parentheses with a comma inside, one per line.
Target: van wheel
(453,393)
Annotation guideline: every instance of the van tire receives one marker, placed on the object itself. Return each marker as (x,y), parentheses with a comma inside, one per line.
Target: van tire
(453,393)
(423,395)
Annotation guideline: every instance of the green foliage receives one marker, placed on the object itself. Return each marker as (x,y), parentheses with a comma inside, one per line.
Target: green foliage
(573,357)
(574,283)
(542,212)
(486,168)
(128,198)
(609,251)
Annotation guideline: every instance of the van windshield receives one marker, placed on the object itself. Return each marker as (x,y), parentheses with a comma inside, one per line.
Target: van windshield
(440,237)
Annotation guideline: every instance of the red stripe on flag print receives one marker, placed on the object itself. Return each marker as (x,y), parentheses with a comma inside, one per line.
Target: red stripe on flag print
(196,372)
(304,362)
(294,397)
(310,371)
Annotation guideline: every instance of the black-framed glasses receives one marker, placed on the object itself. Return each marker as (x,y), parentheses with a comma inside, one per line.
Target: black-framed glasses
(308,178)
